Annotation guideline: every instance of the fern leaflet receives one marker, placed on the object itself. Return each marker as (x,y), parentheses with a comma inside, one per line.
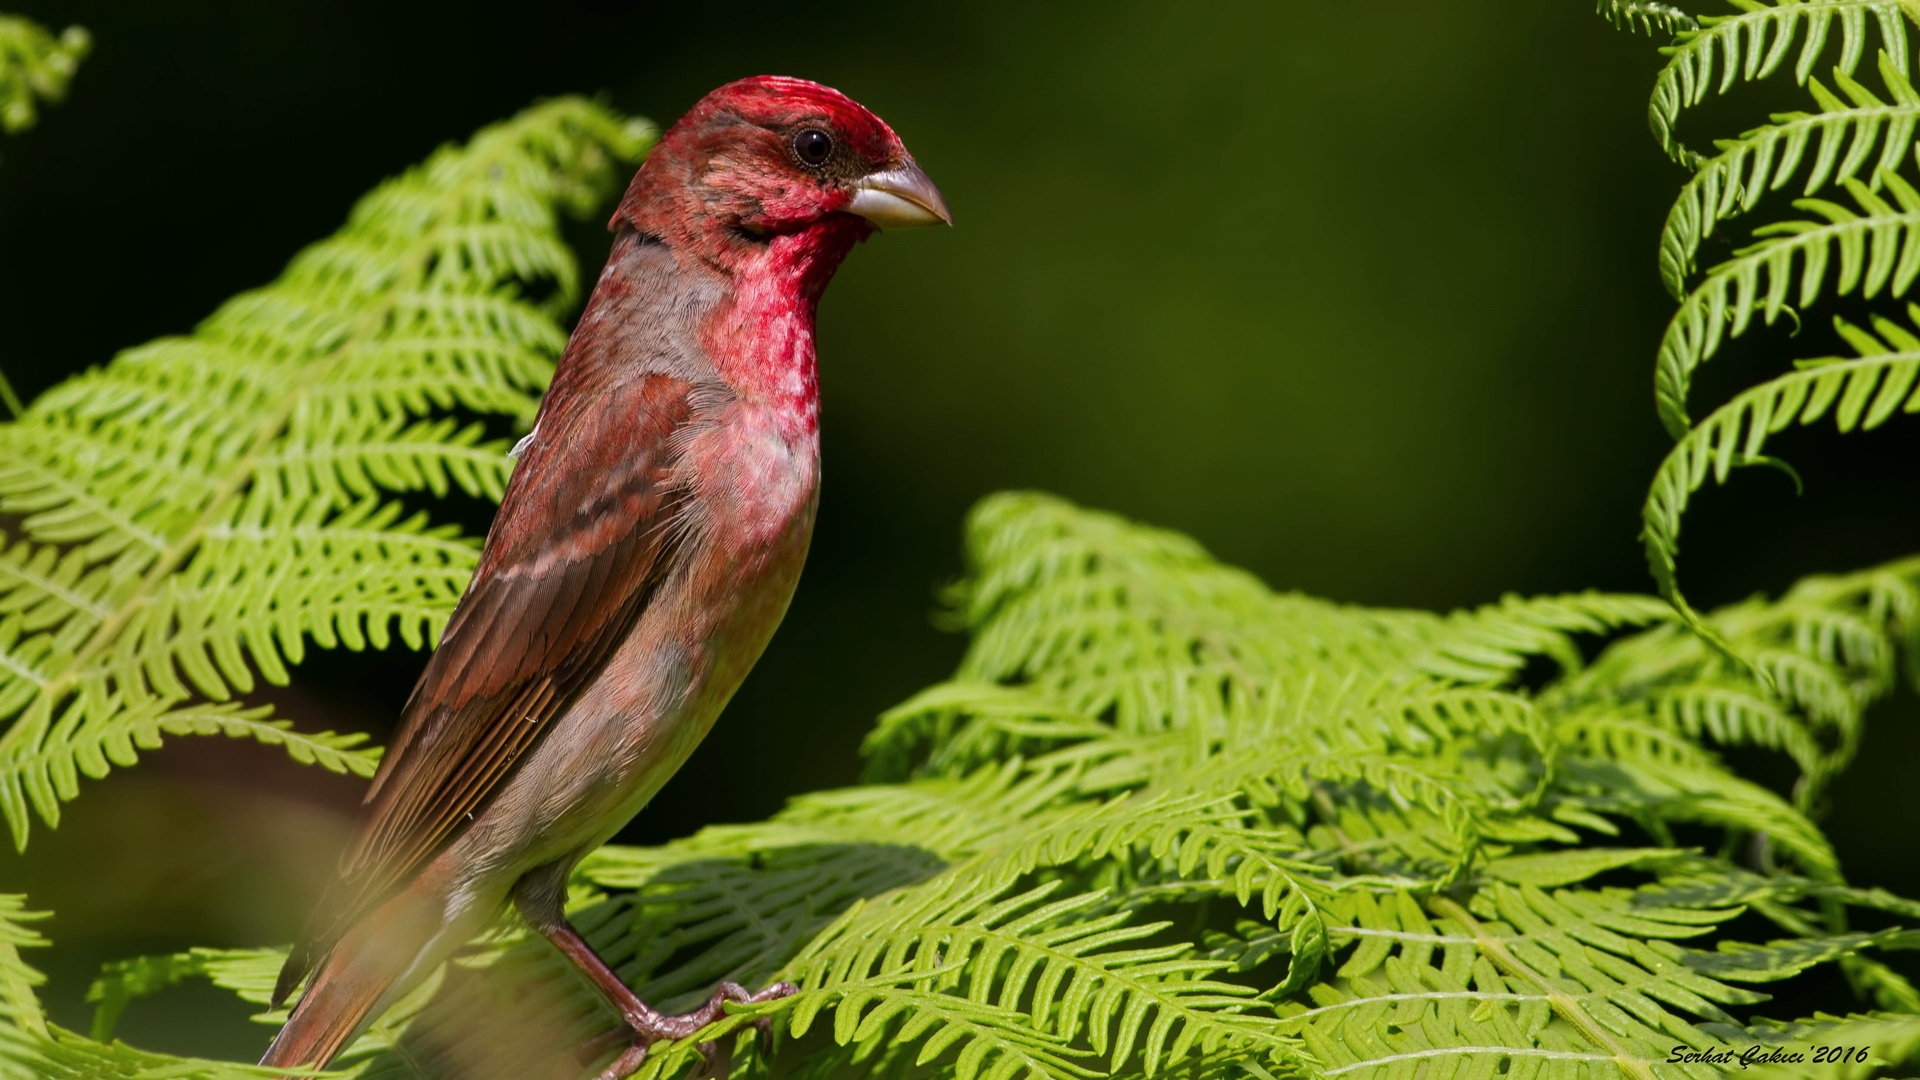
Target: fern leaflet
(1756,42)
(35,66)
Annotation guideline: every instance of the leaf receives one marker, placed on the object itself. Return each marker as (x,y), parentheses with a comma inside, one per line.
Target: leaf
(1774,961)
(1876,251)
(1769,157)
(35,66)
(1757,42)
(1631,14)
(19,1001)
(1550,868)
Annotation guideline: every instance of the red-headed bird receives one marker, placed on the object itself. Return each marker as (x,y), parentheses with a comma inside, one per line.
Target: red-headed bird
(647,547)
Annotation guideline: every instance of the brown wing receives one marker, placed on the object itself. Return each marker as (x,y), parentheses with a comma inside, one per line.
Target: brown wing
(582,538)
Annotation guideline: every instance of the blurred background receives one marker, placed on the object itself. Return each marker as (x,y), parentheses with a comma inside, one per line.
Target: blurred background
(1361,296)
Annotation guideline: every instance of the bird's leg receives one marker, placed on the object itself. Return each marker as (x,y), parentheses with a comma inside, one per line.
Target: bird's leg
(539,898)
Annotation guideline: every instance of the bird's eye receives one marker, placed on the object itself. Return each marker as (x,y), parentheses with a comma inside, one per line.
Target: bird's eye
(813,146)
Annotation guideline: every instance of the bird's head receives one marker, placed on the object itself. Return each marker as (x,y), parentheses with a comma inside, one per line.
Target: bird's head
(772,156)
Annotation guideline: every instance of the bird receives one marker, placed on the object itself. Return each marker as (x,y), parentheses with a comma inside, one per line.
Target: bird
(646,548)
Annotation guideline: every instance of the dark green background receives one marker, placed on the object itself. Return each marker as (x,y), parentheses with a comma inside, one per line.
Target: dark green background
(1362,296)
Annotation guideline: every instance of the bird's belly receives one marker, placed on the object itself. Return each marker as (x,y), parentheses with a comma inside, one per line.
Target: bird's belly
(633,727)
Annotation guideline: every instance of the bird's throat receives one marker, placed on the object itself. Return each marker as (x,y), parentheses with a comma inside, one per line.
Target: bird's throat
(762,336)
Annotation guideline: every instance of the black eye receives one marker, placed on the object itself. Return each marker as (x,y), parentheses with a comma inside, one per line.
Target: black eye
(813,146)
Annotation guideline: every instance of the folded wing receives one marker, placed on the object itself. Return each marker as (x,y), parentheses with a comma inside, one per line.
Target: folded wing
(584,536)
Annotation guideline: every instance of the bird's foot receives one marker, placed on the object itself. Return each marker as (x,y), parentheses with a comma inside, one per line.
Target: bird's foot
(646,1027)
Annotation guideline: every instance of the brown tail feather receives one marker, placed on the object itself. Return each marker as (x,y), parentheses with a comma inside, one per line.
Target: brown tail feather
(359,977)
(331,1012)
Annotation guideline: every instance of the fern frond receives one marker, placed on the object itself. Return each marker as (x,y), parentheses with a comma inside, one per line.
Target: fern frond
(1756,42)
(35,67)
(1878,247)
(1095,616)
(194,513)
(1607,972)
(686,927)
(1645,15)
(1634,778)
(1072,973)
(248,973)
(1774,961)
(967,725)
(1870,246)
(1734,715)
(1882,1041)
(76,745)
(19,1001)
(1861,392)
(992,1043)
(1491,644)
(1570,866)
(1767,158)
(1697,882)
(63,1055)
(1673,780)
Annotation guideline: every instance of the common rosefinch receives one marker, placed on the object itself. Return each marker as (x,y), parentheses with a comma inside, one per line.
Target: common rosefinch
(648,544)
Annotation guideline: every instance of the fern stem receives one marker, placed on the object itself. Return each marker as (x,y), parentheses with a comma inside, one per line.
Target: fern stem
(1563,1003)
(1457,1051)
(10,399)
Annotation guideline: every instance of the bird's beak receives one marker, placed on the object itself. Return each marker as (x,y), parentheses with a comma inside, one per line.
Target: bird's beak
(899,199)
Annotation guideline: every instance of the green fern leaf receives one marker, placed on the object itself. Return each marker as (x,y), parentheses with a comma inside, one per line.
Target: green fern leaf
(63,1055)
(1643,15)
(1875,251)
(1573,865)
(1607,972)
(1742,962)
(1756,42)
(1769,157)
(1876,1042)
(249,973)
(35,66)
(1861,392)
(19,1001)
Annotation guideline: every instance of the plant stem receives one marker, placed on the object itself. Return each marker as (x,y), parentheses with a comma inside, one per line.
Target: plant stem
(1564,1004)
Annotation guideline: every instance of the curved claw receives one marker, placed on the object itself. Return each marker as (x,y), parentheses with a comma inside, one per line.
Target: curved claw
(716,1062)
(649,1027)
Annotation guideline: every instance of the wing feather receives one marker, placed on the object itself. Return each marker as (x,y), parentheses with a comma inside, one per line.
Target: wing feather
(583,537)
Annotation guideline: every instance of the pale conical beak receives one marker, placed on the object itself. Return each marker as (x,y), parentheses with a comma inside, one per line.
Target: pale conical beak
(899,199)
